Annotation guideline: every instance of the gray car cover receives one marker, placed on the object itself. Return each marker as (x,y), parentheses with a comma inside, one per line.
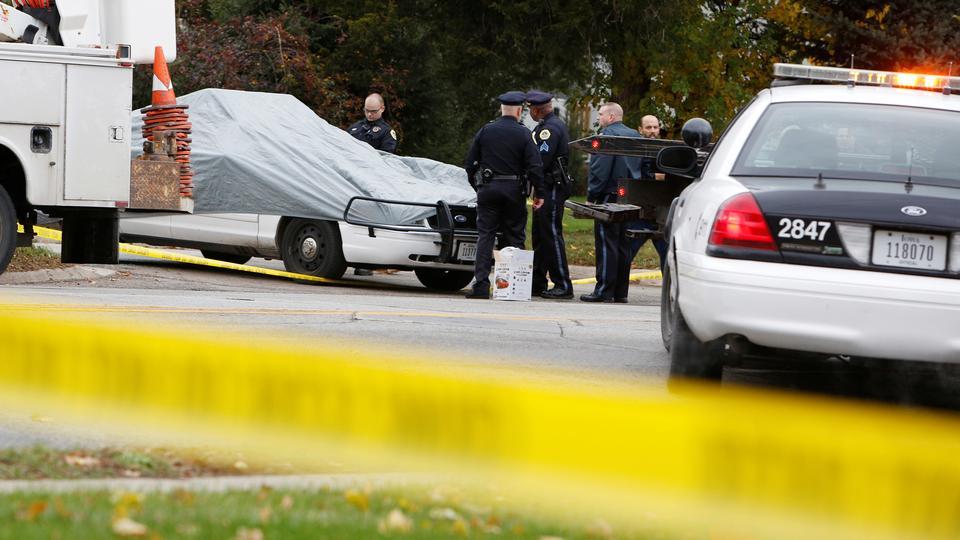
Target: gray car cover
(270,154)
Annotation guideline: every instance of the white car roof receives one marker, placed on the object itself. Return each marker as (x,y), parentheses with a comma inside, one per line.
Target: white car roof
(839,93)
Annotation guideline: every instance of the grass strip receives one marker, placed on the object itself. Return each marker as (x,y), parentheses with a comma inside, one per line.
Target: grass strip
(420,512)
(26,259)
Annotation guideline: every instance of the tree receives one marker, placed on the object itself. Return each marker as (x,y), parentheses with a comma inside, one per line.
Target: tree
(897,35)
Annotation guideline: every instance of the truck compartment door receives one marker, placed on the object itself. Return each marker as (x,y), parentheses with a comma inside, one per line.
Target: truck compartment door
(97,134)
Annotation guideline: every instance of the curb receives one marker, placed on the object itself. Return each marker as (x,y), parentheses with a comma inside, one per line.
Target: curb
(217,483)
(71,273)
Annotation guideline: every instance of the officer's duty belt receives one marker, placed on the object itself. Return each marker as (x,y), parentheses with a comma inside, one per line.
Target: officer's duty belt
(504,177)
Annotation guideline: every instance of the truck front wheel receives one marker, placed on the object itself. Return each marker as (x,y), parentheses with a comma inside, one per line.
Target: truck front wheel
(8,229)
(443,280)
(313,248)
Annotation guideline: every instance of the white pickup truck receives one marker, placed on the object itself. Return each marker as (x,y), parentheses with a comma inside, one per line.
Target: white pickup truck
(440,249)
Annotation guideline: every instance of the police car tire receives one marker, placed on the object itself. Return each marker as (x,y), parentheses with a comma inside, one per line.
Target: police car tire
(667,303)
(225,257)
(327,262)
(690,357)
(439,279)
(8,229)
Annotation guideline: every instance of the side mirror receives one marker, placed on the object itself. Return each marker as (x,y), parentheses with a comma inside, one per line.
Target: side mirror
(697,132)
(678,160)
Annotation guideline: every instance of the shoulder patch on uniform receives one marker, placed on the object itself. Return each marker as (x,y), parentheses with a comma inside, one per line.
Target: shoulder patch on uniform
(376,129)
(393,134)
(544,134)
(544,147)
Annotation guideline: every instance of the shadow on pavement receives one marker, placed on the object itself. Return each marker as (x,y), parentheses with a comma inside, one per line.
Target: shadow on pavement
(919,384)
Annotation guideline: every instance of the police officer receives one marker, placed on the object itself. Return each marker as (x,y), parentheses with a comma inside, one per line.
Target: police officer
(501,160)
(374,130)
(549,250)
(610,239)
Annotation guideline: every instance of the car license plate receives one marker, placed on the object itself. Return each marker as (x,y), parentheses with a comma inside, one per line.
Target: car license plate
(467,251)
(919,251)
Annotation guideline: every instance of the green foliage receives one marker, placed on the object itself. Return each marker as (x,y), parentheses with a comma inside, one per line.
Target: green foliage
(440,63)
(896,35)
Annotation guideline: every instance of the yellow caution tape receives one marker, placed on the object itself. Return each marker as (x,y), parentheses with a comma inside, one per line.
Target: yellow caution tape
(718,463)
(131,249)
(642,275)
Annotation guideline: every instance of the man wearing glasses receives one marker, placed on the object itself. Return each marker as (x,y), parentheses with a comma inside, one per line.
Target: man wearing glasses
(373,130)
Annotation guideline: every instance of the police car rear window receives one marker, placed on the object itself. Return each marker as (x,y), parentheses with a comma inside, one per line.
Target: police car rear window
(852,140)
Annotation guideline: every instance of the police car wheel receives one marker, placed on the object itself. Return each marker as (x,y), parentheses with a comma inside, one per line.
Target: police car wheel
(313,248)
(689,357)
(668,295)
(225,257)
(443,280)
(8,229)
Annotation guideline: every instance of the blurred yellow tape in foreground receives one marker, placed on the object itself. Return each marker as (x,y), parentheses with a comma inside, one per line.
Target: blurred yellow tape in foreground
(729,464)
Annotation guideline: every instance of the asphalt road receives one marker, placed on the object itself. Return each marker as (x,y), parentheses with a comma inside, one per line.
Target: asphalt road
(394,314)
(385,313)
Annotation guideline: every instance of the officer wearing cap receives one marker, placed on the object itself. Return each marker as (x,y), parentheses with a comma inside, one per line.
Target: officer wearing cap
(501,160)
(549,250)
(373,130)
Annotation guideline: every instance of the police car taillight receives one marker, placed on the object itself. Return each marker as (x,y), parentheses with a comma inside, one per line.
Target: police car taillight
(595,144)
(866,77)
(740,224)
(621,192)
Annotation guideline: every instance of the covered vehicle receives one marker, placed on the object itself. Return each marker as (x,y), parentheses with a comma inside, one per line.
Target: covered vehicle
(274,180)
(824,224)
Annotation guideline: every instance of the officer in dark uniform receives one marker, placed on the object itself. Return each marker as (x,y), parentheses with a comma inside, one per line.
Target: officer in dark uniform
(549,250)
(500,163)
(373,130)
(610,239)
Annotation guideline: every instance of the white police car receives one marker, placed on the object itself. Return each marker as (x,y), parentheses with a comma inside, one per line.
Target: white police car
(826,220)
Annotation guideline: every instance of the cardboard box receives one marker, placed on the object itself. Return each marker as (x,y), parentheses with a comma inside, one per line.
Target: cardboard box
(512,274)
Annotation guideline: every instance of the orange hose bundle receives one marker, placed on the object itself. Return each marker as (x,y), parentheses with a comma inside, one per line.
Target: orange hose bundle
(164,114)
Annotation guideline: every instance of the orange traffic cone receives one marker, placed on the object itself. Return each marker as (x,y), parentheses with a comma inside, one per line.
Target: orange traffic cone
(162,86)
(165,115)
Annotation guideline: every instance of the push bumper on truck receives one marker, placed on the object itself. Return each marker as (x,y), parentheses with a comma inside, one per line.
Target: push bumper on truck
(451,227)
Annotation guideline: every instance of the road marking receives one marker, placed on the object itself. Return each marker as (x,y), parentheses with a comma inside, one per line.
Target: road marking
(82,308)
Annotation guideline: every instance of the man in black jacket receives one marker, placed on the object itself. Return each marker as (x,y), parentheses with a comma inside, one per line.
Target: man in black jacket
(549,250)
(373,130)
(610,239)
(500,163)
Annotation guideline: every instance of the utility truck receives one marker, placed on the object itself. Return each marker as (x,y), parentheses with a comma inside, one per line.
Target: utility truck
(65,139)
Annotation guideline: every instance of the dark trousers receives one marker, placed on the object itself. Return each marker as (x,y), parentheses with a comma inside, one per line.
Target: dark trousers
(500,207)
(613,256)
(549,249)
(659,244)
